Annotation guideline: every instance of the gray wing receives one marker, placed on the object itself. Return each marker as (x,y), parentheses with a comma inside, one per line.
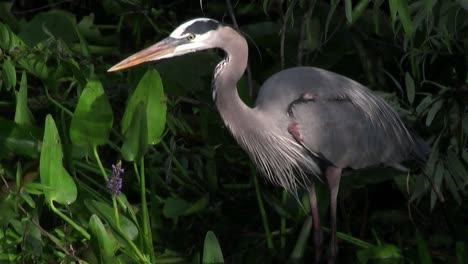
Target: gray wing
(336,118)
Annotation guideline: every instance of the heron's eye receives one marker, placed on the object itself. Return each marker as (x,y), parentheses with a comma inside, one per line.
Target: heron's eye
(191,37)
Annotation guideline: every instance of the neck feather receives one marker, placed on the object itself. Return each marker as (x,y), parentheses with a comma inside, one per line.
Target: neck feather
(234,112)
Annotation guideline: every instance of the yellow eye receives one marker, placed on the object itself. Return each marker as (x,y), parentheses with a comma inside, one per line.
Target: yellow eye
(191,37)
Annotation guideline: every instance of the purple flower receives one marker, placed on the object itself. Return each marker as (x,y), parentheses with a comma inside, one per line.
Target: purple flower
(114,183)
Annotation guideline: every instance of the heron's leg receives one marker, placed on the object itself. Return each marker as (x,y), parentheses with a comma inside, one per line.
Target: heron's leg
(317,235)
(333,175)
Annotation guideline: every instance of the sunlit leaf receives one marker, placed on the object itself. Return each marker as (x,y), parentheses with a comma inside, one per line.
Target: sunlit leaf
(211,250)
(61,187)
(92,119)
(386,253)
(150,94)
(9,74)
(136,138)
(36,66)
(22,114)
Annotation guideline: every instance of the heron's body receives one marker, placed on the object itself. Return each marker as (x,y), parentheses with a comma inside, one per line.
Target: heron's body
(306,123)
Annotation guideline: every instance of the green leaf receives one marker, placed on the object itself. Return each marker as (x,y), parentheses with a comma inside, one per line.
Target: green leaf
(36,66)
(438,176)
(92,119)
(22,114)
(386,253)
(102,242)
(410,90)
(136,137)
(301,243)
(393,5)
(349,11)
(61,187)
(8,40)
(461,252)
(149,92)
(433,112)
(211,250)
(175,207)
(56,23)
(423,250)
(359,9)
(9,74)
(19,140)
(106,212)
(405,18)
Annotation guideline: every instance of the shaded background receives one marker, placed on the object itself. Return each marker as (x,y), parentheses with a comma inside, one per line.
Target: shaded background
(412,53)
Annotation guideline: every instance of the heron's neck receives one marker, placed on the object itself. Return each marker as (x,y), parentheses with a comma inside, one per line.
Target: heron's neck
(234,112)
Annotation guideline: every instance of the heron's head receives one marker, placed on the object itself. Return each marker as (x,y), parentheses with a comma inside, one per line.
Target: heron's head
(194,35)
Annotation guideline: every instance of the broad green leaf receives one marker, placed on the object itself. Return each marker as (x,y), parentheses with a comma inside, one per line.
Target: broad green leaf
(211,250)
(8,40)
(9,74)
(106,212)
(19,140)
(433,111)
(175,207)
(102,242)
(197,206)
(149,92)
(386,253)
(56,23)
(349,11)
(410,90)
(61,187)
(405,18)
(136,138)
(423,250)
(22,114)
(36,66)
(92,119)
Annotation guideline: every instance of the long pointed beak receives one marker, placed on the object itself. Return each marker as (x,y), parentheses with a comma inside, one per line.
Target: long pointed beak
(154,52)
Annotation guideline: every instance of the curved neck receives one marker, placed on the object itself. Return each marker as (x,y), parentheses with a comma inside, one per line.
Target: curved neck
(232,109)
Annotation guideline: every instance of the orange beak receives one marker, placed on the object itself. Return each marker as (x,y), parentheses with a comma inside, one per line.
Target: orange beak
(152,53)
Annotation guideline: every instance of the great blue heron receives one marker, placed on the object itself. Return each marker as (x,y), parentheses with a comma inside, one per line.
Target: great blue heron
(306,121)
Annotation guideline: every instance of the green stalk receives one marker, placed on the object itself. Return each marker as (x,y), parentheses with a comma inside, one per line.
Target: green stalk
(269,240)
(144,210)
(283,224)
(69,221)
(98,160)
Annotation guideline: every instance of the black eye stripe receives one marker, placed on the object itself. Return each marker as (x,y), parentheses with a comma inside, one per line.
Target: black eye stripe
(201,27)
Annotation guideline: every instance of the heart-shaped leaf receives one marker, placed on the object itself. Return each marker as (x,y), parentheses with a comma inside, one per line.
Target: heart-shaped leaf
(92,120)
(149,92)
(136,137)
(61,187)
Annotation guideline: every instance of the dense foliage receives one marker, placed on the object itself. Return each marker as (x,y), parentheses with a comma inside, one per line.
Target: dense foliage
(136,166)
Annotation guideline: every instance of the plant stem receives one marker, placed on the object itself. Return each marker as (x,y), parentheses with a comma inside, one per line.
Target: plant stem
(69,221)
(283,224)
(98,160)
(144,210)
(55,102)
(116,211)
(269,240)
